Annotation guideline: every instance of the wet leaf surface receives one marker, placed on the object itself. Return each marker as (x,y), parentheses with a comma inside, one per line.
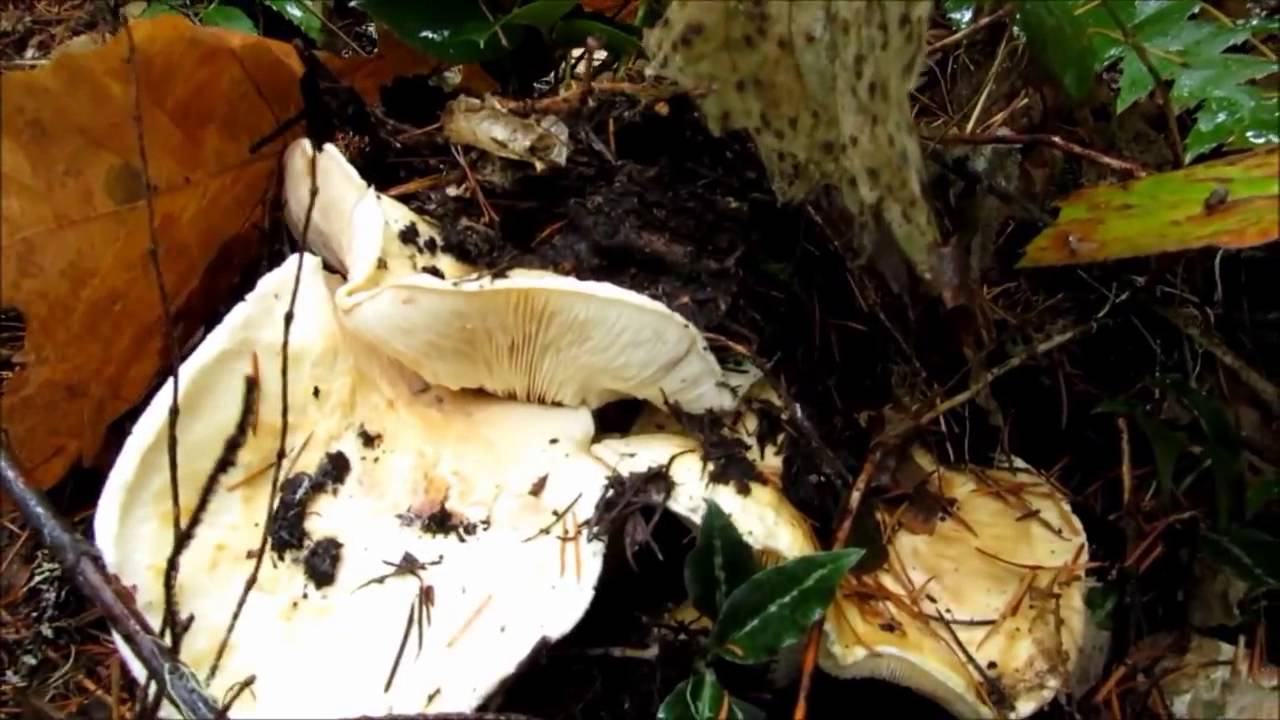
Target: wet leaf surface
(719,563)
(1233,202)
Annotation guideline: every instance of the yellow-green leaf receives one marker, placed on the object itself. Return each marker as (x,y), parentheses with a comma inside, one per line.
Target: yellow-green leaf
(1233,202)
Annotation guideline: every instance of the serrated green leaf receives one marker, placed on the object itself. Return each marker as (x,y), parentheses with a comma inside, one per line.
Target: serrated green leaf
(701,697)
(1059,39)
(1252,555)
(1135,82)
(1167,212)
(617,40)
(776,606)
(1243,118)
(296,12)
(1154,19)
(719,563)
(229,18)
(1212,76)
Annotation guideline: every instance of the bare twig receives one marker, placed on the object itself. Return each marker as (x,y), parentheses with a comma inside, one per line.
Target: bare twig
(170,618)
(1162,93)
(81,563)
(985,381)
(1266,390)
(978,25)
(1064,145)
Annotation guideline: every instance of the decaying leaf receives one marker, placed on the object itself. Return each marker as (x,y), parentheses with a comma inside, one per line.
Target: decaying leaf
(1233,202)
(542,140)
(1212,680)
(822,87)
(75,220)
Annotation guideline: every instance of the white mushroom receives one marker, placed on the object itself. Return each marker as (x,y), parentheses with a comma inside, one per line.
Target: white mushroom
(1003,566)
(491,489)
(527,334)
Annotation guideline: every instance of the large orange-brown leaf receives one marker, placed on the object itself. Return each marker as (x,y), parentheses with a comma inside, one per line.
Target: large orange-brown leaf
(74,220)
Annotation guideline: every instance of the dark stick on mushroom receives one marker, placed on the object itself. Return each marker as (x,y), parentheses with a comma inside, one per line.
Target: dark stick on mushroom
(82,563)
(171,337)
(252,579)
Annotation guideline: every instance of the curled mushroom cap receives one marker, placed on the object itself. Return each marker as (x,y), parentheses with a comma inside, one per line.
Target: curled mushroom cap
(527,335)
(407,242)
(984,612)
(473,498)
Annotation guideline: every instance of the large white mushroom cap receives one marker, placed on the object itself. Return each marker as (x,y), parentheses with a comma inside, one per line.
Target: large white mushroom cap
(528,335)
(491,489)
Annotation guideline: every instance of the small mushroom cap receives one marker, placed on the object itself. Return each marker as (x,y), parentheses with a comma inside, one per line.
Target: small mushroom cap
(486,487)
(529,335)
(1004,566)
(762,514)
(407,242)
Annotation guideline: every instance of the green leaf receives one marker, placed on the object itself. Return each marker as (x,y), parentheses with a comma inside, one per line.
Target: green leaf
(156,9)
(1225,71)
(297,12)
(1252,555)
(776,606)
(718,564)
(1059,39)
(1222,445)
(1101,600)
(1167,444)
(1135,82)
(617,40)
(960,13)
(456,31)
(702,698)
(1262,493)
(541,14)
(1167,212)
(228,17)
(1155,19)
(1240,120)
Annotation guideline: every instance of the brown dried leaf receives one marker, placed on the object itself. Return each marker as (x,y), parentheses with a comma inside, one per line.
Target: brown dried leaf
(74,215)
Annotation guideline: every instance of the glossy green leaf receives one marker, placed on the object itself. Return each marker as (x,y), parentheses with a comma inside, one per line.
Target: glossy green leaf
(1252,555)
(702,698)
(1225,71)
(1243,119)
(155,9)
(228,17)
(1230,202)
(541,15)
(776,606)
(457,31)
(297,12)
(719,563)
(616,39)
(1059,39)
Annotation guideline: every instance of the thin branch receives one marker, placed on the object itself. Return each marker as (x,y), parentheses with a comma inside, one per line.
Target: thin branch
(170,617)
(1064,145)
(1266,390)
(985,381)
(1162,93)
(81,563)
(964,34)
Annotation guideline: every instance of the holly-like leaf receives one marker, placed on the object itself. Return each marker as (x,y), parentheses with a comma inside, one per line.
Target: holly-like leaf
(701,697)
(776,606)
(718,564)
(301,13)
(228,18)
(461,31)
(1231,202)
